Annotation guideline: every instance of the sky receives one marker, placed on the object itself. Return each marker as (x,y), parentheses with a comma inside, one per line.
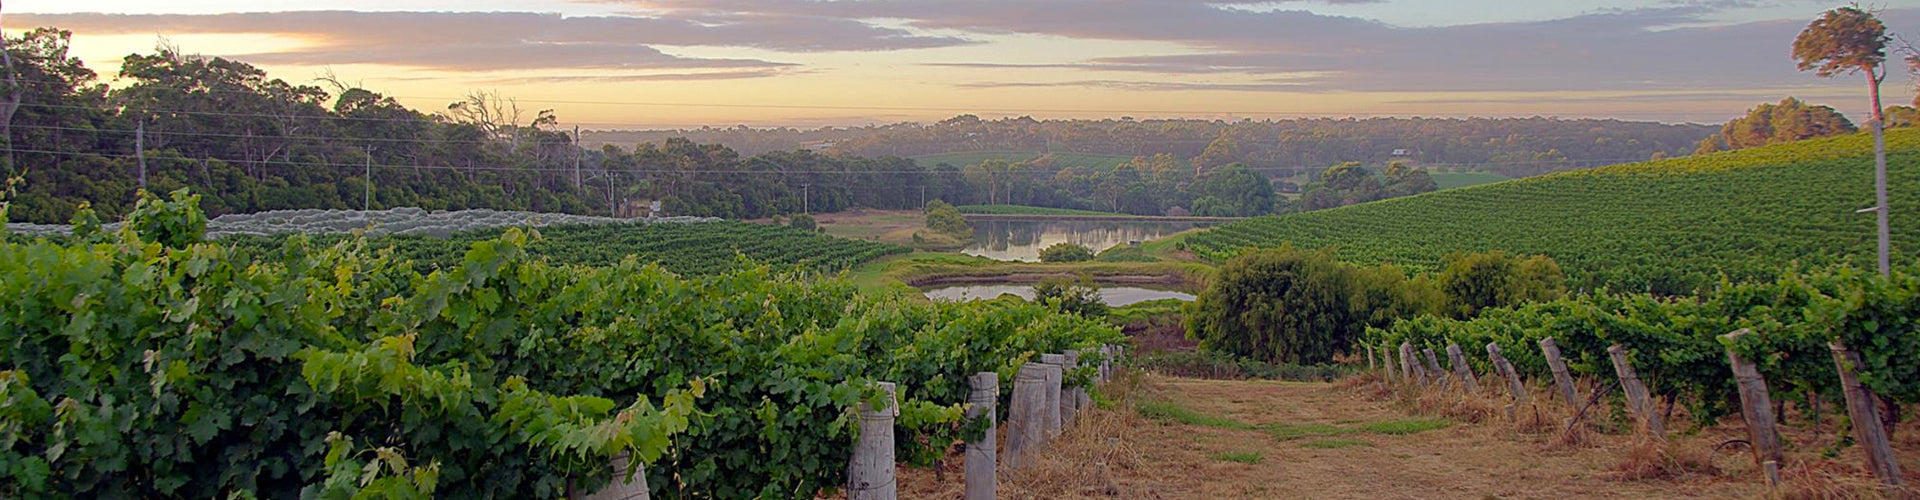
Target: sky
(607,64)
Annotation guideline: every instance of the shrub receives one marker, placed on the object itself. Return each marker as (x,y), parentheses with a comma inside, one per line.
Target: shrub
(1494,279)
(942,217)
(1293,306)
(1075,297)
(1066,252)
(803,222)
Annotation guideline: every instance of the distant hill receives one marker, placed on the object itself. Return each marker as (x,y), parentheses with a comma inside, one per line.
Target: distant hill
(1667,226)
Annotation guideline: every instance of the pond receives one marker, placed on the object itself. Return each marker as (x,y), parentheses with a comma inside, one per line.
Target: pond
(1113,295)
(1023,239)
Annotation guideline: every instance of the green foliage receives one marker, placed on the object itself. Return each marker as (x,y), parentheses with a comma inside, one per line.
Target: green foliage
(1670,227)
(1494,279)
(1066,252)
(1791,120)
(685,248)
(1295,306)
(141,370)
(1025,210)
(944,219)
(1205,364)
(175,223)
(1070,296)
(803,222)
(1233,191)
(1675,344)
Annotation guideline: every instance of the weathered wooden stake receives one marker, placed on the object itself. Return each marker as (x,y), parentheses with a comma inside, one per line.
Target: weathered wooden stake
(623,487)
(1411,364)
(1460,368)
(1370,365)
(1756,407)
(1388,363)
(1026,430)
(1070,395)
(870,472)
(1057,365)
(1639,401)
(982,480)
(1514,385)
(1433,366)
(1562,379)
(1863,410)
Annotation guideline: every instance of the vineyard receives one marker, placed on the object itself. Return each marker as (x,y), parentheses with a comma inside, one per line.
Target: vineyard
(683,248)
(397,221)
(145,364)
(1671,226)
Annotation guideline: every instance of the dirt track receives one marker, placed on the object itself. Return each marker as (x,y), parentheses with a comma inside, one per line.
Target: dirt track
(1180,438)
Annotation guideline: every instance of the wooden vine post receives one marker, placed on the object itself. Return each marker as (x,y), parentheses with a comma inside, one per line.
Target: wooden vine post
(1460,369)
(624,486)
(1026,430)
(1756,407)
(1562,379)
(1056,368)
(1388,363)
(1411,364)
(1370,364)
(870,471)
(1639,401)
(982,480)
(1070,395)
(1433,366)
(1505,368)
(1863,410)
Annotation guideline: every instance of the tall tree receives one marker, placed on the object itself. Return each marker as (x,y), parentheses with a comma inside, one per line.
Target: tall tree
(1844,41)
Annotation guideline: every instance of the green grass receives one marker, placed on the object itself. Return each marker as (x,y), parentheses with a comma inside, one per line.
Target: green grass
(1669,226)
(1407,426)
(1450,180)
(1251,457)
(964,158)
(1169,412)
(1289,432)
(1025,210)
(1336,443)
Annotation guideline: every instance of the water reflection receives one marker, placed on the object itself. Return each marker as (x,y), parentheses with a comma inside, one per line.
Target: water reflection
(1022,240)
(1113,295)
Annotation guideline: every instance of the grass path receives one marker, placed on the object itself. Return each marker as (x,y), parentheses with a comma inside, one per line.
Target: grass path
(1188,438)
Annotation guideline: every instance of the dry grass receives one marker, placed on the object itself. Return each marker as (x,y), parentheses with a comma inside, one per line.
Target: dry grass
(1650,459)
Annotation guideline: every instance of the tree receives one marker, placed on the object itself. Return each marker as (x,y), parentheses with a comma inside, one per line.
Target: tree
(803,222)
(1066,252)
(943,218)
(1494,279)
(1790,120)
(1844,41)
(1295,306)
(1233,191)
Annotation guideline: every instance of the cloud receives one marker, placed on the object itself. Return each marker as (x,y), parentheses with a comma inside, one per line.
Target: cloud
(650,77)
(1675,46)
(484,41)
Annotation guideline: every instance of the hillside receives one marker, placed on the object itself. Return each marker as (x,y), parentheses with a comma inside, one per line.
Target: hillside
(1669,225)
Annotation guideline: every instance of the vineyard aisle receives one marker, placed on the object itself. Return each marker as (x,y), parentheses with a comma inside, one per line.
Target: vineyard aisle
(1180,438)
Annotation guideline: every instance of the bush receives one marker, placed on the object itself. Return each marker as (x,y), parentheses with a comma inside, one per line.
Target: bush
(1494,279)
(803,222)
(1066,252)
(943,218)
(1075,297)
(1294,306)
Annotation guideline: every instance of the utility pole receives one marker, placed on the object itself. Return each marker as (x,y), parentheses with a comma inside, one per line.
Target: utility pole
(1880,192)
(577,150)
(367,205)
(140,150)
(923,197)
(806,198)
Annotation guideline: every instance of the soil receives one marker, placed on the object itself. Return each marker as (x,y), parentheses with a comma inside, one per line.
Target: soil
(1271,439)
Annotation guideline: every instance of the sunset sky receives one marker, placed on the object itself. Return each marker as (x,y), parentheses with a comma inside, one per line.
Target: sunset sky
(677,63)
